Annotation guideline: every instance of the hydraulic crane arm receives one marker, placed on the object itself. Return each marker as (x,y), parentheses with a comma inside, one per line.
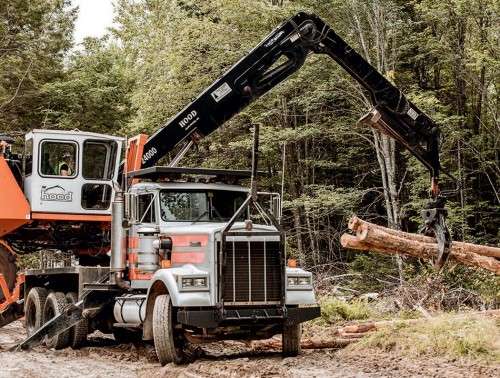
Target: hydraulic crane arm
(258,72)
(277,57)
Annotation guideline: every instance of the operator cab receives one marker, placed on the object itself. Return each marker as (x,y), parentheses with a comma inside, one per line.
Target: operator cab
(70,172)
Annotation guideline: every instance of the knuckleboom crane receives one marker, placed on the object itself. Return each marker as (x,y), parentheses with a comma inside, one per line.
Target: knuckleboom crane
(258,72)
(82,213)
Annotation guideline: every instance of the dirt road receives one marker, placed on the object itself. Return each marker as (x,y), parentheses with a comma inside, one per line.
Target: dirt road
(104,358)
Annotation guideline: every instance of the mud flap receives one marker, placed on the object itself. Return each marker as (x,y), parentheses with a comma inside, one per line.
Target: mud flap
(298,315)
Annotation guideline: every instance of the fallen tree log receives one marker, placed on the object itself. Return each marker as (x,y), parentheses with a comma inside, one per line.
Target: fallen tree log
(309,343)
(359,226)
(371,237)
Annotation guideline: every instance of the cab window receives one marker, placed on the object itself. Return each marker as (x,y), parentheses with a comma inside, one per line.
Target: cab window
(146,208)
(58,159)
(28,157)
(98,160)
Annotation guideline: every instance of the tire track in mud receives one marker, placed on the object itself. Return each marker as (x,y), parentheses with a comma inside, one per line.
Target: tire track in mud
(104,358)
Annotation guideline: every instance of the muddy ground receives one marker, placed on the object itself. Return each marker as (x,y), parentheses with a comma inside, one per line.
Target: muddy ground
(103,357)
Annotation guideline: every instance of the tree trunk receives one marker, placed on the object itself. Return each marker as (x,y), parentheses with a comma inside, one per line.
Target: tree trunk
(371,237)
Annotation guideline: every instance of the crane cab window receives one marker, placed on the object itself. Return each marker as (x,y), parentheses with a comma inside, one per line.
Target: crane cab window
(58,159)
(28,157)
(99,160)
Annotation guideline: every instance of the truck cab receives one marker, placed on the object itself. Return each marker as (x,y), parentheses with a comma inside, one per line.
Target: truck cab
(218,257)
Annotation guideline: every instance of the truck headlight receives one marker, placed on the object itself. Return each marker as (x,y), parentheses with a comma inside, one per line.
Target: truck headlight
(187,282)
(200,282)
(193,283)
(299,282)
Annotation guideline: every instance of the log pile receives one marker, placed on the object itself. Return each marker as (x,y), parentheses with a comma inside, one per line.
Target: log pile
(375,238)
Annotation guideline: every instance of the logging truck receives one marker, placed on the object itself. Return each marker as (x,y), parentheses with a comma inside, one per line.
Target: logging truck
(168,254)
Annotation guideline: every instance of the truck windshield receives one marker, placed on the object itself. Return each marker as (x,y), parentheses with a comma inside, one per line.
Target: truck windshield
(200,205)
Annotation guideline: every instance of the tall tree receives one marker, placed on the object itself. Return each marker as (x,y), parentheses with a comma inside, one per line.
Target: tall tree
(94,92)
(34,35)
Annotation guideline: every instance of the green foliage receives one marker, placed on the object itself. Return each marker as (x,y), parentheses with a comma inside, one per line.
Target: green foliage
(94,93)
(447,335)
(376,272)
(34,36)
(334,310)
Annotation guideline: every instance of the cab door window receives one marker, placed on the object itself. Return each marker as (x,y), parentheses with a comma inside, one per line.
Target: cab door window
(58,159)
(98,160)
(146,208)
(28,157)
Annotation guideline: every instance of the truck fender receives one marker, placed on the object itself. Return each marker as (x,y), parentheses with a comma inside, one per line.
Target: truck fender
(163,282)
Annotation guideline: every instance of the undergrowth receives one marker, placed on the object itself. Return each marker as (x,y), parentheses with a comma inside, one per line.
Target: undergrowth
(446,335)
(334,310)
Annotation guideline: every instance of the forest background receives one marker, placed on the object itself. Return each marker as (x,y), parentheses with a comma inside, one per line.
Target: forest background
(160,54)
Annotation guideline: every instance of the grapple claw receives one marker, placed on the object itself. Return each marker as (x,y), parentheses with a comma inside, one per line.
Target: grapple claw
(434,216)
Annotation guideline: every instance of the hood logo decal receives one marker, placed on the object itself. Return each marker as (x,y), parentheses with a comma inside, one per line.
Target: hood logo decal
(55,193)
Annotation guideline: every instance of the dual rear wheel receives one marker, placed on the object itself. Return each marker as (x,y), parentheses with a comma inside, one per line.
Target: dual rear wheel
(42,305)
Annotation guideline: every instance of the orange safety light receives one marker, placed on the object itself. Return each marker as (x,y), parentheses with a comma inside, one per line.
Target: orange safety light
(166,264)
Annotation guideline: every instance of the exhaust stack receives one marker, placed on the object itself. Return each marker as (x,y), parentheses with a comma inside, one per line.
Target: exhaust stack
(118,254)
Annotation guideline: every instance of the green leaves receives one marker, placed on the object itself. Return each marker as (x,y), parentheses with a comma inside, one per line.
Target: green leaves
(34,35)
(94,93)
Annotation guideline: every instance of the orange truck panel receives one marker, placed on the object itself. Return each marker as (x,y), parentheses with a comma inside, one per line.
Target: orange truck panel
(71,217)
(14,208)
(135,149)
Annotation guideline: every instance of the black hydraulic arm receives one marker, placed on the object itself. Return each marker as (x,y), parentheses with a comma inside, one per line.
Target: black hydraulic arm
(277,57)
(258,72)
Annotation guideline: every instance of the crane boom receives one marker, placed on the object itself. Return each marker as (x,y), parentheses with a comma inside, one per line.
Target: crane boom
(259,71)
(277,57)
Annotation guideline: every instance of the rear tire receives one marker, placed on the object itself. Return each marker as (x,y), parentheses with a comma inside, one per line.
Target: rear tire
(78,333)
(33,309)
(55,304)
(7,267)
(168,343)
(291,340)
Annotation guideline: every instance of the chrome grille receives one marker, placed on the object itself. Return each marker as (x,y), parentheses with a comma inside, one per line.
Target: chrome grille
(252,272)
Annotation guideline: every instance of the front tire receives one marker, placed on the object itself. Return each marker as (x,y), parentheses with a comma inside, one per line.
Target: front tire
(291,340)
(168,343)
